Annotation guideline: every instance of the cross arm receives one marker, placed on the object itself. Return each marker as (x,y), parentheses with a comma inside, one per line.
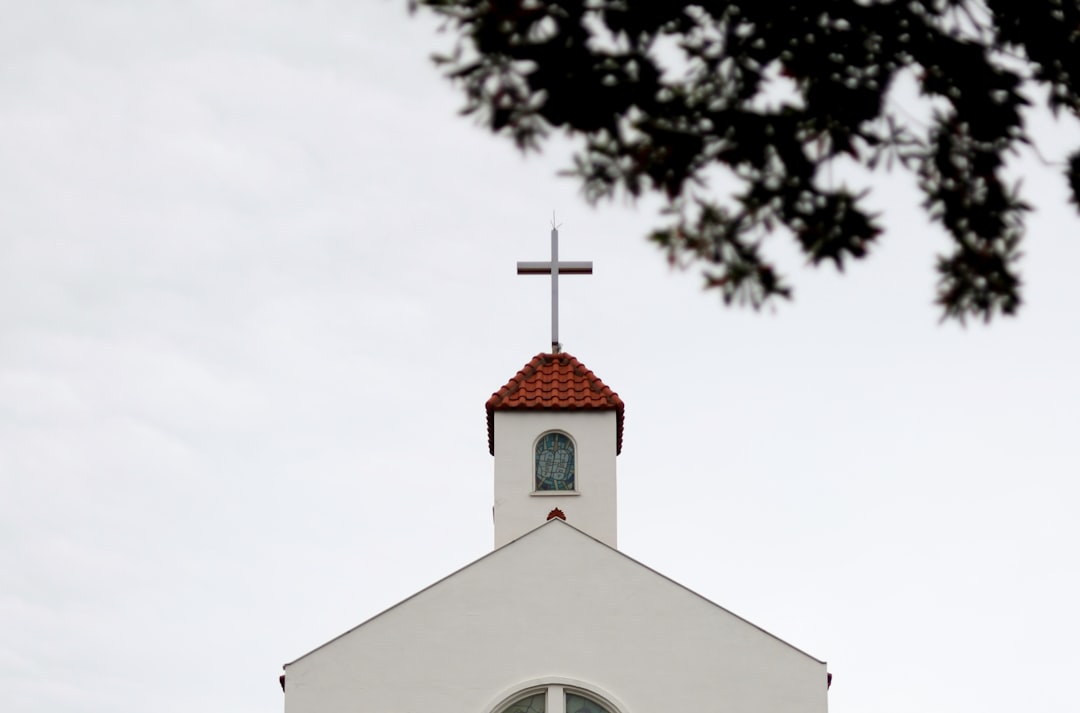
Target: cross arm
(544,268)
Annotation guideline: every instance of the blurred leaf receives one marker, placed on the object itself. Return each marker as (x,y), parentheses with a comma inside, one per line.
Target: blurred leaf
(656,116)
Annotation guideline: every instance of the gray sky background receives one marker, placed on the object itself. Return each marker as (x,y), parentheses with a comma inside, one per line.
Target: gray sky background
(257,281)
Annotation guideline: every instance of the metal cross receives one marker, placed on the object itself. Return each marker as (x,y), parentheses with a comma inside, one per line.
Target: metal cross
(554,268)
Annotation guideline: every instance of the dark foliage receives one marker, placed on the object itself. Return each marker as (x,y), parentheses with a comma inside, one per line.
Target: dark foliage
(663,92)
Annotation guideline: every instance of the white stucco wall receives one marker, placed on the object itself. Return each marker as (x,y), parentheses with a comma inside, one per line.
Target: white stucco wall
(591,509)
(556,606)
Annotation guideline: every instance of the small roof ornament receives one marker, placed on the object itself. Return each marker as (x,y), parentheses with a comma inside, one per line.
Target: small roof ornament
(557,513)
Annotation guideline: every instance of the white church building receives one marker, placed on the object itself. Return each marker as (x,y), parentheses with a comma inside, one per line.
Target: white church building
(556,619)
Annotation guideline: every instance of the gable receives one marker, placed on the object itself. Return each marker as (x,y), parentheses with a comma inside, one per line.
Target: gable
(555,602)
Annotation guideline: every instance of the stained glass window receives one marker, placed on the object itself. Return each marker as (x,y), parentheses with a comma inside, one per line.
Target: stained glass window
(555,462)
(533,704)
(579,704)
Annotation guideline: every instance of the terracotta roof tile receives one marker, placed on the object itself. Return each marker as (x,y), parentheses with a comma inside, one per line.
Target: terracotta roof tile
(554,381)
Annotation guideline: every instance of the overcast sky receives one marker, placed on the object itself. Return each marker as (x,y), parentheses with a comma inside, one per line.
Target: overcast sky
(257,282)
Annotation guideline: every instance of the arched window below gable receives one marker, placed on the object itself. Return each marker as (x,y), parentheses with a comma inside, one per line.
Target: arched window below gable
(556,699)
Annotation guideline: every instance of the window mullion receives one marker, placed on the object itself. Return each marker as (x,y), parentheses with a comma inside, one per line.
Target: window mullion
(556,700)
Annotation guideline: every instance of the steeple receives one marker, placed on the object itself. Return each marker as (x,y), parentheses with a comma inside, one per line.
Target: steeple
(555,430)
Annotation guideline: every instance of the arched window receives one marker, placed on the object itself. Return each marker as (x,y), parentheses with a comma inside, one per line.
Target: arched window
(554,466)
(556,699)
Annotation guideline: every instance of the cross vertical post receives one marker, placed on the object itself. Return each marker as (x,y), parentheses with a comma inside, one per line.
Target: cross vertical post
(554,268)
(554,289)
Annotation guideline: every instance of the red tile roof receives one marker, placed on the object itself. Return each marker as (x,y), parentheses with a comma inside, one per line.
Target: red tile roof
(554,381)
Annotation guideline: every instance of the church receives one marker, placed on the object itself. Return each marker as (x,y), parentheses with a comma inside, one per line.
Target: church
(555,619)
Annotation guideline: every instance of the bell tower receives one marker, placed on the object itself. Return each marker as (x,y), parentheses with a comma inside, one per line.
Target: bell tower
(555,430)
